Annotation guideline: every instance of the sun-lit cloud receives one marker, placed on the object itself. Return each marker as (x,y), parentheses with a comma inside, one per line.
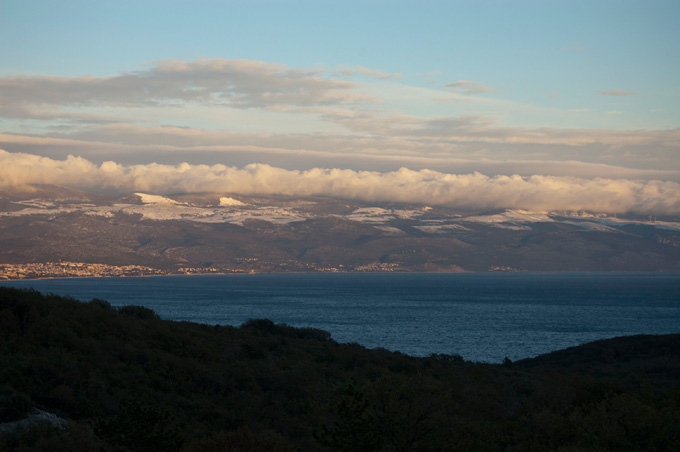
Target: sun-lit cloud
(233,83)
(464,191)
(355,118)
(378,142)
(51,113)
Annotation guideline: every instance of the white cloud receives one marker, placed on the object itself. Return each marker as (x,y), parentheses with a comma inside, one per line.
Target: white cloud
(465,191)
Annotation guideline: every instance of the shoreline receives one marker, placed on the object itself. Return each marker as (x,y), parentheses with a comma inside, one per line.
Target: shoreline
(254,273)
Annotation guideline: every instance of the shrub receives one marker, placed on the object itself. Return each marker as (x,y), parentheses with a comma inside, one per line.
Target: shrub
(14,405)
(140,428)
(139,312)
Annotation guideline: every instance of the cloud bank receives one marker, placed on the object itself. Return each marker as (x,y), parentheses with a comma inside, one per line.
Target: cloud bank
(464,191)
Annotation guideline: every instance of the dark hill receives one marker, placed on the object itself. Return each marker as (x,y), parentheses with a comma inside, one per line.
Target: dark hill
(125,380)
(641,357)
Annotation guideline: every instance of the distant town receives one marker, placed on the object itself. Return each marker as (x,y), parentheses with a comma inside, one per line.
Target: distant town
(47,270)
(81,270)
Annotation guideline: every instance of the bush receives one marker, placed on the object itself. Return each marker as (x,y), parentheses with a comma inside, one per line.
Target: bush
(140,428)
(242,440)
(139,312)
(14,405)
(101,303)
(267,326)
(447,357)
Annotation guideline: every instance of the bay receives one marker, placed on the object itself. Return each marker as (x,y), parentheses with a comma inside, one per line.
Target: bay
(480,316)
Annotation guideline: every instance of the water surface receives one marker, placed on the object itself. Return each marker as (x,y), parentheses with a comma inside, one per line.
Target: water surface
(481,316)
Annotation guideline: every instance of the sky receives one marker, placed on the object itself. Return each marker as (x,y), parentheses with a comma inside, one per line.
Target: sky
(520,104)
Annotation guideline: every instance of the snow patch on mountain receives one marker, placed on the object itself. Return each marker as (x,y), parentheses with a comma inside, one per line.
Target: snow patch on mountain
(155,199)
(390,230)
(441,228)
(231,202)
(380,215)
(38,203)
(617,222)
(511,219)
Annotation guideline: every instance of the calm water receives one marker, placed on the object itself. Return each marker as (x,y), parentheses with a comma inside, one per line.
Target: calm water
(483,317)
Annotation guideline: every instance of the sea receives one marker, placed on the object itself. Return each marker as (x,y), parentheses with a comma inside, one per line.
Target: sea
(483,317)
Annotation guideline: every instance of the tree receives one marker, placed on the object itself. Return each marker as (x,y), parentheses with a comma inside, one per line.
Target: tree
(355,429)
(140,428)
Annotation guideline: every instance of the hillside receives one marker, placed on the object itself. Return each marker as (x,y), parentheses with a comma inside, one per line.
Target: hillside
(125,380)
(54,232)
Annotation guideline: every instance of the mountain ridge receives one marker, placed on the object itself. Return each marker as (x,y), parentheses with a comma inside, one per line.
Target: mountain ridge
(236,233)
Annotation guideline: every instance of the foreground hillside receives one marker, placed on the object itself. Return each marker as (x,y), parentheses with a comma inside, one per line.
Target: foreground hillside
(51,231)
(125,380)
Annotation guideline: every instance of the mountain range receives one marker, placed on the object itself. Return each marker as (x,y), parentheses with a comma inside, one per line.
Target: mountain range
(51,228)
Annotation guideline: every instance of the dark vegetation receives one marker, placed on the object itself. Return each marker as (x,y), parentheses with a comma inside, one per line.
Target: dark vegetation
(125,380)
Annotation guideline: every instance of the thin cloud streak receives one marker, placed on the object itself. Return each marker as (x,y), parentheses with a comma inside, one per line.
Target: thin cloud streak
(471,87)
(464,191)
(616,92)
(349,71)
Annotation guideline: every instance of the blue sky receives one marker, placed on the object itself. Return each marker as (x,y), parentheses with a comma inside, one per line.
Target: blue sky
(547,53)
(562,88)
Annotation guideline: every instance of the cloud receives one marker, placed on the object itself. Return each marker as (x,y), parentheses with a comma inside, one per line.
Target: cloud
(616,92)
(465,191)
(486,129)
(348,71)
(384,132)
(245,111)
(51,113)
(233,83)
(470,87)
(383,143)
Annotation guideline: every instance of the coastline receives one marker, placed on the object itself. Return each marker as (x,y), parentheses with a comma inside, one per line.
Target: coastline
(345,272)
(69,270)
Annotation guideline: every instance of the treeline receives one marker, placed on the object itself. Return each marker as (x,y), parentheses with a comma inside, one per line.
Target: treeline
(122,379)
